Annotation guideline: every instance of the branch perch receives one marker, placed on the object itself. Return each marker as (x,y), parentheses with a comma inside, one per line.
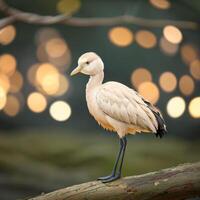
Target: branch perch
(32,18)
(176,183)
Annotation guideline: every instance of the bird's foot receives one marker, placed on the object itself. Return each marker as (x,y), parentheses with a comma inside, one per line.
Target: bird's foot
(111,178)
(105,177)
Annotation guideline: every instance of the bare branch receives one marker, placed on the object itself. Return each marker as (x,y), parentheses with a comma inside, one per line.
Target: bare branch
(176,183)
(32,18)
(6,21)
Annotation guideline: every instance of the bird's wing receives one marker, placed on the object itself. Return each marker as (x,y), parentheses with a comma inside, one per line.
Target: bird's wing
(126,105)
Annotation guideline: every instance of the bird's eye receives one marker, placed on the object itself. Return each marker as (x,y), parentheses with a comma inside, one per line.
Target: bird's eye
(87,62)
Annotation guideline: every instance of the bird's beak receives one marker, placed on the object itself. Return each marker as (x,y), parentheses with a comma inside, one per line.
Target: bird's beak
(76,70)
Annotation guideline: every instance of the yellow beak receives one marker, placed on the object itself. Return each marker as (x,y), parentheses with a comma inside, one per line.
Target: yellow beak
(76,70)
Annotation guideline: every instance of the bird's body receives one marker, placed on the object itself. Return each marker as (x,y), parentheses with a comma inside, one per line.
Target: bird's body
(117,107)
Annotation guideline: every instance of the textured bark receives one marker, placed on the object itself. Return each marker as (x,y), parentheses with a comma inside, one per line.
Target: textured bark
(176,183)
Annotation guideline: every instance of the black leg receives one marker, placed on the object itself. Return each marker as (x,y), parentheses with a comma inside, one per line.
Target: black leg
(123,153)
(116,163)
(115,176)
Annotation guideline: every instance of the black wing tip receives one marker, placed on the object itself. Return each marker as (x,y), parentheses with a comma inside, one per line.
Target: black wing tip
(162,129)
(161,132)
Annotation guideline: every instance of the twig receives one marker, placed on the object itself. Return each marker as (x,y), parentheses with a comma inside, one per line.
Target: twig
(176,183)
(32,18)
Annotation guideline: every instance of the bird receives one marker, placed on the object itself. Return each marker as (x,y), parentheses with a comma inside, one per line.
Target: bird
(118,108)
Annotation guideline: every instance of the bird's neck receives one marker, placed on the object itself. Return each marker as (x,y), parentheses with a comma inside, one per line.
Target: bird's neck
(95,81)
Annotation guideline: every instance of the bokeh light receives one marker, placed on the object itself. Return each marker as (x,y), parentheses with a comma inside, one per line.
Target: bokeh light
(45,34)
(145,39)
(149,91)
(172,34)
(167,47)
(56,47)
(139,76)
(168,81)
(41,53)
(47,77)
(36,102)
(194,107)
(63,62)
(188,53)
(31,74)
(60,111)
(3,98)
(50,83)
(195,69)
(4,82)
(176,107)
(63,85)
(45,69)
(7,64)
(7,34)
(186,85)
(160,4)
(12,106)
(68,6)
(16,82)
(120,36)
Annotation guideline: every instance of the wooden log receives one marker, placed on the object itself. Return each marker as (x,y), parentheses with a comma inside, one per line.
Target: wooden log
(176,183)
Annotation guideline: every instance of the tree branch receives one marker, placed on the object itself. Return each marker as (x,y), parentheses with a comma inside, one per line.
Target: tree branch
(32,18)
(176,183)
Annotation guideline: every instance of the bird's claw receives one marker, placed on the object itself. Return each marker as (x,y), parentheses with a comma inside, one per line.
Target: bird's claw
(107,179)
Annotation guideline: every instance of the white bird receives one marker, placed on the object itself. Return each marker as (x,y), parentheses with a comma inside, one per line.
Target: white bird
(117,108)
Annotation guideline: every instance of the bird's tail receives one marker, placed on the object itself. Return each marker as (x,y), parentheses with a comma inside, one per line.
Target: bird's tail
(162,129)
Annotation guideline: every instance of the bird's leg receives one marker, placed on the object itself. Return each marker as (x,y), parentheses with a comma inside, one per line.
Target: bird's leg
(118,175)
(115,165)
(123,153)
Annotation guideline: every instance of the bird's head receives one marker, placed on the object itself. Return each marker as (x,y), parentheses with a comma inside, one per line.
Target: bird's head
(89,63)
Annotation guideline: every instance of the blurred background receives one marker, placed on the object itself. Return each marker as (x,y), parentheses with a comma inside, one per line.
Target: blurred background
(48,140)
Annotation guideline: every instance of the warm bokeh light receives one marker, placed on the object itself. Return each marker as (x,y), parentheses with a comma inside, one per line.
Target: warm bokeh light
(45,34)
(56,47)
(47,77)
(31,74)
(7,64)
(145,39)
(45,69)
(41,53)
(172,34)
(149,91)
(188,53)
(195,69)
(50,83)
(68,6)
(121,36)
(62,63)
(63,85)
(60,111)
(139,76)
(168,81)
(3,98)
(160,4)
(37,102)
(7,34)
(167,47)
(176,107)
(16,82)
(194,107)
(12,106)
(4,82)
(186,85)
